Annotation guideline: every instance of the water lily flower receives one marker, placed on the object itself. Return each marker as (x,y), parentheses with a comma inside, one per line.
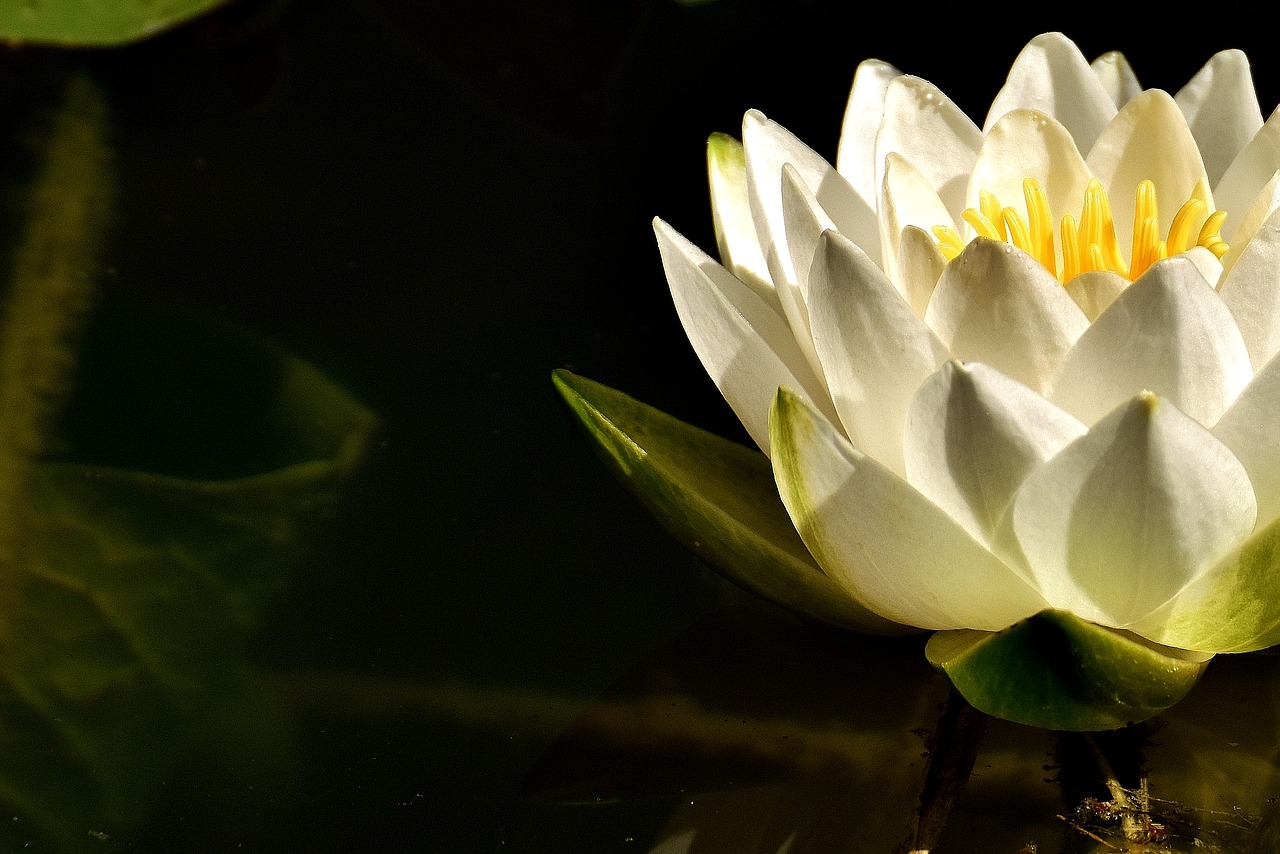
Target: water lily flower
(1016,383)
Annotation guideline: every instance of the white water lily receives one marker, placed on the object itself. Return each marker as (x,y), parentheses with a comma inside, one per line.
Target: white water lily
(1020,369)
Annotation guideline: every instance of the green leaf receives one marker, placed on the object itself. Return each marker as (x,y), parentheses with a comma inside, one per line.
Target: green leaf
(716,496)
(95,23)
(1056,671)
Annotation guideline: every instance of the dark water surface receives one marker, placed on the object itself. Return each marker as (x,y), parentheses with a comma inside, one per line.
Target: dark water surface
(437,206)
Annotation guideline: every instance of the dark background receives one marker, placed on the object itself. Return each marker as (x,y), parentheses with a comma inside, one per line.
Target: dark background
(439,203)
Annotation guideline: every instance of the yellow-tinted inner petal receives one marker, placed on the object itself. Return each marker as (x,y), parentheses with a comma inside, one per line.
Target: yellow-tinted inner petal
(1088,243)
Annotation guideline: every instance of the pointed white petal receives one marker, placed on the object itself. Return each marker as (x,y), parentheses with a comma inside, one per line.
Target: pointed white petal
(1148,140)
(1207,263)
(1029,144)
(1252,292)
(1248,428)
(745,346)
(920,265)
(1168,333)
(973,435)
(1117,77)
(927,128)
(1123,517)
(906,199)
(998,305)
(1247,225)
(1095,291)
(1245,178)
(731,211)
(804,221)
(1052,76)
(856,156)
(1221,109)
(895,551)
(873,347)
(768,146)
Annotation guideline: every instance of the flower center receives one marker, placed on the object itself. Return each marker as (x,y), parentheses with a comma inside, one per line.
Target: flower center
(1089,244)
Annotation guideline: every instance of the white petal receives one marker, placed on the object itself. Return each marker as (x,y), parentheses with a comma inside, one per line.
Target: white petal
(1248,428)
(731,211)
(1117,77)
(1052,76)
(906,199)
(896,552)
(1168,333)
(856,156)
(1148,140)
(1252,292)
(873,347)
(1029,144)
(1245,178)
(973,435)
(1118,521)
(1095,291)
(920,265)
(1254,215)
(1207,263)
(746,347)
(996,304)
(1221,109)
(804,221)
(768,146)
(928,129)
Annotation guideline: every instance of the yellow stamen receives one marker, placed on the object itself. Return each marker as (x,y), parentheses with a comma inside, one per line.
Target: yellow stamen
(1090,243)
(1180,231)
(990,208)
(982,224)
(1019,234)
(948,241)
(1041,222)
(1070,249)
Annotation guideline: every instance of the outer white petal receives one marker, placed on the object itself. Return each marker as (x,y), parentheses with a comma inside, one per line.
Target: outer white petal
(973,435)
(1052,76)
(856,156)
(1169,333)
(1221,109)
(1148,140)
(873,347)
(1251,290)
(1245,178)
(920,265)
(768,146)
(731,211)
(744,344)
(996,304)
(1095,291)
(1123,517)
(1030,144)
(906,199)
(927,128)
(1246,225)
(1117,77)
(897,553)
(1248,428)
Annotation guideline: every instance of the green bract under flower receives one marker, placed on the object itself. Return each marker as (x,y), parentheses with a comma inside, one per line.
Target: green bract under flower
(1050,442)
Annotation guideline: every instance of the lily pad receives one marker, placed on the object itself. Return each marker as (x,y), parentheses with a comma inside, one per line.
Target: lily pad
(1056,671)
(716,496)
(95,23)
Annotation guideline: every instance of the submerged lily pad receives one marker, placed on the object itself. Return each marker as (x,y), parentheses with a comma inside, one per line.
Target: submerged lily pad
(716,496)
(1056,671)
(95,23)
(132,581)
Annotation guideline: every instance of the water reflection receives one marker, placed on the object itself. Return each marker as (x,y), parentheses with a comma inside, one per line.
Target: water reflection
(769,735)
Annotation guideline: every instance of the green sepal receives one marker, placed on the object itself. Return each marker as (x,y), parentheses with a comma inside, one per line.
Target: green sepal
(1057,671)
(94,23)
(715,495)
